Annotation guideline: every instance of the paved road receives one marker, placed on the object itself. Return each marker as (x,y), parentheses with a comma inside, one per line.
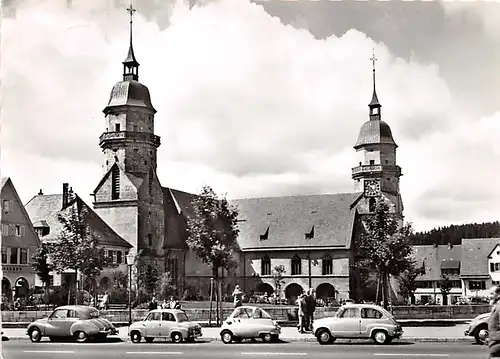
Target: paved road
(45,350)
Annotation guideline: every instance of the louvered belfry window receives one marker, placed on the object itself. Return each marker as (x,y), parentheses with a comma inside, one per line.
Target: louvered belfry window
(115,183)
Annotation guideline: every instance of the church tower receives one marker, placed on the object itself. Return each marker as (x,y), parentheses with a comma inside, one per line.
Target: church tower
(377,173)
(129,196)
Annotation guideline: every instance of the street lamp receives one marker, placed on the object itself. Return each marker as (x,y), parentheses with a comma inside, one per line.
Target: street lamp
(130,262)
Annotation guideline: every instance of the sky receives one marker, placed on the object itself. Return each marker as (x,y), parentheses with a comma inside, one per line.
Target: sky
(261,98)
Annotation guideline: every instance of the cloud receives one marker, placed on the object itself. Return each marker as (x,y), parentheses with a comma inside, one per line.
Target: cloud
(245,103)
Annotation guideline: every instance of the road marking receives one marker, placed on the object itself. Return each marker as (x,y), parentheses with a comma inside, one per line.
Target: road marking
(412,355)
(166,353)
(271,353)
(50,351)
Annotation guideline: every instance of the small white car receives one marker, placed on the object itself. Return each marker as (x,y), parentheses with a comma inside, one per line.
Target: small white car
(358,321)
(248,322)
(165,323)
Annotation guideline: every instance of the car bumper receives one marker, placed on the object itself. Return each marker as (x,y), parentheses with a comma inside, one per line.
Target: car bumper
(467,332)
(398,334)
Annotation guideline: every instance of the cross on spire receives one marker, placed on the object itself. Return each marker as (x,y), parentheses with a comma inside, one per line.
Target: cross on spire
(373,58)
(130,65)
(374,104)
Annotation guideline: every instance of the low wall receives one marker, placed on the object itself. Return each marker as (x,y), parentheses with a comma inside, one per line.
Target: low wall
(278,313)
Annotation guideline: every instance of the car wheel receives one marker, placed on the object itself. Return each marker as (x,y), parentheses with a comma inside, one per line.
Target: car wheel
(81,336)
(324,337)
(481,334)
(176,337)
(35,335)
(380,337)
(267,337)
(149,339)
(135,337)
(226,337)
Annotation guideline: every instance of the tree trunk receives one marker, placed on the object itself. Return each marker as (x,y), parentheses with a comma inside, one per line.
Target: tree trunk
(217,299)
(46,294)
(445,298)
(385,291)
(211,298)
(76,286)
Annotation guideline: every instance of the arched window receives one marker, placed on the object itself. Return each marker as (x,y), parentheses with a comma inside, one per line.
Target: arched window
(265,265)
(296,265)
(371,204)
(327,265)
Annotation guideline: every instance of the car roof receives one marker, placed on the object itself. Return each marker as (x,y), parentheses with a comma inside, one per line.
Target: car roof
(362,305)
(83,308)
(161,310)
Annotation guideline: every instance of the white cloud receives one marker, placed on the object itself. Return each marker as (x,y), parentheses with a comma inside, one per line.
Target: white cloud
(245,104)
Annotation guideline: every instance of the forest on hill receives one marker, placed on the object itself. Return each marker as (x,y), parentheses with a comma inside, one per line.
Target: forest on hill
(453,234)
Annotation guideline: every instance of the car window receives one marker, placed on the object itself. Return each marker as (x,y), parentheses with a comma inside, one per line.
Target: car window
(168,317)
(59,314)
(72,314)
(350,313)
(154,316)
(243,313)
(370,313)
(257,314)
(94,314)
(182,317)
(265,314)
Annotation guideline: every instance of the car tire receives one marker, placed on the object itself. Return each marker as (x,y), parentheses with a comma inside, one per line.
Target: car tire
(149,339)
(226,336)
(380,337)
(482,330)
(267,337)
(176,337)
(324,337)
(35,334)
(81,336)
(136,337)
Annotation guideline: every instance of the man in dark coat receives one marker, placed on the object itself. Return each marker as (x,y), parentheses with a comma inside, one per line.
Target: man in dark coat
(153,304)
(310,308)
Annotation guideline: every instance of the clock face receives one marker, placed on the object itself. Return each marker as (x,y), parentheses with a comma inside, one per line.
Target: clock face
(372,187)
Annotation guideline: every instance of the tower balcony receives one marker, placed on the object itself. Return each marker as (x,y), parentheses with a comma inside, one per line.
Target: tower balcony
(363,170)
(129,136)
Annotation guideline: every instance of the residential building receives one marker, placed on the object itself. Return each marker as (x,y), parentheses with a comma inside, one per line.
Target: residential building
(44,210)
(19,244)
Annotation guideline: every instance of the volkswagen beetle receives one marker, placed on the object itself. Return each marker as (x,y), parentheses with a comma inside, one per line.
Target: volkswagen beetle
(77,321)
(478,328)
(165,323)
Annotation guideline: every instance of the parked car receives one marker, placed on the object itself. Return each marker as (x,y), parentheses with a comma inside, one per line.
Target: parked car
(249,322)
(77,321)
(165,323)
(478,328)
(358,321)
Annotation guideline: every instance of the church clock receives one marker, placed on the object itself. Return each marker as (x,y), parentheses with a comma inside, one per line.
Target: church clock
(372,188)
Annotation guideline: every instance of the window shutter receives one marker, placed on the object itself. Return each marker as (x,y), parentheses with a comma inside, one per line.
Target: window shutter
(492,267)
(12,230)
(23,231)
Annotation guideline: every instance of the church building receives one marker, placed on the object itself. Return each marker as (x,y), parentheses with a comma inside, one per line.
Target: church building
(312,236)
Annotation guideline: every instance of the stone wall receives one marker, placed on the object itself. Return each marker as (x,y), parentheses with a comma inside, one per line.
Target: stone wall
(282,313)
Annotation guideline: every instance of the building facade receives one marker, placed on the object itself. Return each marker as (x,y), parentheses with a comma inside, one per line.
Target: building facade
(19,244)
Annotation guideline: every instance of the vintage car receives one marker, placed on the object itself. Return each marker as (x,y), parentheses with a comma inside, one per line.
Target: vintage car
(77,321)
(478,328)
(358,321)
(165,323)
(248,322)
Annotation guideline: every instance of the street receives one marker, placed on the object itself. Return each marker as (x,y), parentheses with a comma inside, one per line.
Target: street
(23,349)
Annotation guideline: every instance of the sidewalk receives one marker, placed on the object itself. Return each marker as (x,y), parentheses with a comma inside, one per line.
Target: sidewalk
(420,334)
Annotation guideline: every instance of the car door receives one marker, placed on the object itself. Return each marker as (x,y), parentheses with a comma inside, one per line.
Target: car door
(348,323)
(369,318)
(260,322)
(167,323)
(153,321)
(242,317)
(58,324)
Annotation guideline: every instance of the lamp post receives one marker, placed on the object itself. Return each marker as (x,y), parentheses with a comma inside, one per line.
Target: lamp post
(130,262)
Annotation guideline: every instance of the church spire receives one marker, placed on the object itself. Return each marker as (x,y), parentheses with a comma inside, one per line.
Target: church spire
(374,105)
(130,65)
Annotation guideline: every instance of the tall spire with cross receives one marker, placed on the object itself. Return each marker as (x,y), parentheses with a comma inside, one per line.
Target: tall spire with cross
(374,105)
(130,65)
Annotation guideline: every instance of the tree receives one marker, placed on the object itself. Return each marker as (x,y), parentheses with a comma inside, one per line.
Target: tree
(165,285)
(42,267)
(278,272)
(212,232)
(445,285)
(384,246)
(408,282)
(148,279)
(77,247)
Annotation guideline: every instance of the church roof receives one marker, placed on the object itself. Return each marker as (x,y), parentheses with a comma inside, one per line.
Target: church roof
(433,258)
(44,210)
(475,253)
(130,93)
(374,132)
(283,222)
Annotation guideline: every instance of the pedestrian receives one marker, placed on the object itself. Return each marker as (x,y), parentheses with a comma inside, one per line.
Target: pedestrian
(174,304)
(302,312)
(238,296)
(494,324)
(165,305)
(153,304)
(310,308)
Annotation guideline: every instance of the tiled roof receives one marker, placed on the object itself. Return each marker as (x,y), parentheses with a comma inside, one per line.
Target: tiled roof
(329,217)
(432,257)
(450,264)
(44,210)
(3,181)
(475,255)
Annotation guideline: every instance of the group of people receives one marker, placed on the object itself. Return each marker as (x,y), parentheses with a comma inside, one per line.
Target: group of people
(172,303)
(307,305)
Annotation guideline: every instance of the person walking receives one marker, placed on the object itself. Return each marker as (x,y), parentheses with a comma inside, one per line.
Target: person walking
(310,308)
(238,296)
(494,325)
(302,312)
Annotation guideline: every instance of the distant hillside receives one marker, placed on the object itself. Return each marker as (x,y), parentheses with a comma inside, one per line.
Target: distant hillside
(454,234)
